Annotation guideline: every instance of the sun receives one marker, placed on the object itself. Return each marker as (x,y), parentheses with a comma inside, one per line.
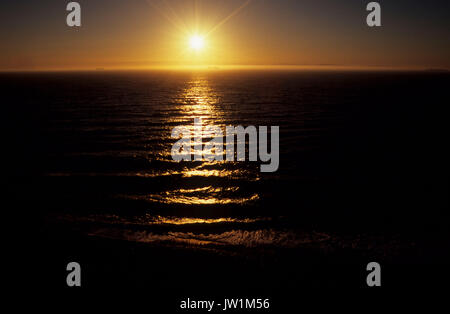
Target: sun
(196,42)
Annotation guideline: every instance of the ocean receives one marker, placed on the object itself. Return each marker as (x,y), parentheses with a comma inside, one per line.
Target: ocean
(363,161)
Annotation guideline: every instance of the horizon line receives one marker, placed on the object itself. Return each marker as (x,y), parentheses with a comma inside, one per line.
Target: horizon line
(329,67)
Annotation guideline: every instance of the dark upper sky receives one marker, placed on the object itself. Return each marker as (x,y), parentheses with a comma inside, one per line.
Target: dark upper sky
(146,33)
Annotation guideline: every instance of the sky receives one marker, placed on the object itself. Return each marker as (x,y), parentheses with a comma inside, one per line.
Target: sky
(139,34)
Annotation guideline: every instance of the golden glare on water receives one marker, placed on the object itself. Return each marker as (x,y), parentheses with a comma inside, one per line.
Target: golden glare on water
(199,99)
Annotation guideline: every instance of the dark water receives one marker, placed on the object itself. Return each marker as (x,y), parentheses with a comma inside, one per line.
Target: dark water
(359,151)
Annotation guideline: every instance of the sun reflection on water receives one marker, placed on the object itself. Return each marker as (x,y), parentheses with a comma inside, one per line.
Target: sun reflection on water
(199,100)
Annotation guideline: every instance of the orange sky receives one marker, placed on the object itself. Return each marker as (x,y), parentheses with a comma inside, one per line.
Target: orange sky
(155,33)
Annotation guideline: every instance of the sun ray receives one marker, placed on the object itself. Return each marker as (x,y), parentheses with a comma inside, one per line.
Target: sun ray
(196,14)
(173,19)
(175,15)
(192,31)
(239,9)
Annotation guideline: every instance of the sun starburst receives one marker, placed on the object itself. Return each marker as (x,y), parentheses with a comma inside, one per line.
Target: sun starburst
(196,42)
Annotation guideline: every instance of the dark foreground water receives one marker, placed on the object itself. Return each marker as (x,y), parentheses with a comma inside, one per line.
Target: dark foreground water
(363,161)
